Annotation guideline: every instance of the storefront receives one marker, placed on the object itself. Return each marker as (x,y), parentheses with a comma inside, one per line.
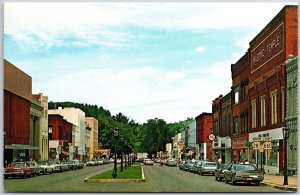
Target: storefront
(272,159)
(222,149)
(239,149)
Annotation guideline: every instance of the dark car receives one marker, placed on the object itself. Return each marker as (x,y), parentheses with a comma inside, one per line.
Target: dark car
(219,172)
(243,173)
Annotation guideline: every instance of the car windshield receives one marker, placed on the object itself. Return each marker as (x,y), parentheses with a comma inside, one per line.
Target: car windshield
(17,164)
(225,166)
(241,168)
(210,165)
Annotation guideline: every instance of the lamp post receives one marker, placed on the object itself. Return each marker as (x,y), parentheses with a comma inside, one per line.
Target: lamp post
(122,140)
(116,134)
(285,133)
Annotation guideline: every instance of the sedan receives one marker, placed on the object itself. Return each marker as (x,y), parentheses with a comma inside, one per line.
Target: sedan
(243,173)
(46,167)
(21,169)
(91,163)
(148,162)
(171,162)
(37,169)
(219,172)
(208,168)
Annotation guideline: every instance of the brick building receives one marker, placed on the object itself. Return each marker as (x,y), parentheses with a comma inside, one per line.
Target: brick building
(239,95)
(60,131)
(203,129)
(267,83)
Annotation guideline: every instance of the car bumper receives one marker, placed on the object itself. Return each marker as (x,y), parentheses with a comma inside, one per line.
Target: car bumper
(208,171)
(248,179)
(14,174)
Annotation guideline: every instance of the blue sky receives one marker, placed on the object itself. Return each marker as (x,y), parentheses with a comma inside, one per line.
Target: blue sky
(146,60)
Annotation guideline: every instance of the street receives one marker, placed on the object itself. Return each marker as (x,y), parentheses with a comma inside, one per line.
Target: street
(158,179)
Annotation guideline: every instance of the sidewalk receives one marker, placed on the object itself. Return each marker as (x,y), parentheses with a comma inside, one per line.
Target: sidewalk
(276,181)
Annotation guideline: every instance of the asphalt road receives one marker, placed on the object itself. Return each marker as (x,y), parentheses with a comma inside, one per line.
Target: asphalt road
(158,179)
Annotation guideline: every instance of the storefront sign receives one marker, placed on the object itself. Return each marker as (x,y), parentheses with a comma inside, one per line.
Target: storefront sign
(239,142)
(53,143)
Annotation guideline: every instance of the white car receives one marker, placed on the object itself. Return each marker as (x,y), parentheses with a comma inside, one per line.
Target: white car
(148,162)
(46,167)
(91,163)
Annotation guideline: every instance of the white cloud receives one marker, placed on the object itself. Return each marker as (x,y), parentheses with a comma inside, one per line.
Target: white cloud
(50,23)
(200,49)
(140,93)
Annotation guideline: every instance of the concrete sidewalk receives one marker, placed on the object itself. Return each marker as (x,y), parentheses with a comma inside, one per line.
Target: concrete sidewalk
(276,181)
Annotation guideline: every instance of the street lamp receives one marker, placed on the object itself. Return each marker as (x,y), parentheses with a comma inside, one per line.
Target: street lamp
(116,134)
(285,133)
(122,140)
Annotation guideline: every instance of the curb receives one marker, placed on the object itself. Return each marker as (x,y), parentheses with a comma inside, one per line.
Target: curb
(285,188)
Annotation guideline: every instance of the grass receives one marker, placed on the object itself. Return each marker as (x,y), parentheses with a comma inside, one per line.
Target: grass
(132,172)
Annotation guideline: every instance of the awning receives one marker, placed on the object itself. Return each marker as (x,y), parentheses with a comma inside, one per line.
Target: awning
(21,146)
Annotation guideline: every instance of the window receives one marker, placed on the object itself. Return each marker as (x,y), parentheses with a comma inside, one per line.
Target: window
(236,125)
(263,111)
(273,96)
(50,129)
(253,107)
(236,95)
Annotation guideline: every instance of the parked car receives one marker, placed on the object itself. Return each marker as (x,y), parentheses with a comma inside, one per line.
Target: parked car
(243,173)
(99,162)
(64,165)
(182,164)
(111,160)
(91,163)
(148,162)
(37,169)
(46,167)
(157,160)
(56,166)
(106,161)
(18,169)
(171,162)
(219,172)
(190,165)
(207,168)
(72,165)
(197,165)
(79,164)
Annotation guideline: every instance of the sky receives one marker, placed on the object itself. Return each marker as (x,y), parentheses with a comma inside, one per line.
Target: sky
(145,60)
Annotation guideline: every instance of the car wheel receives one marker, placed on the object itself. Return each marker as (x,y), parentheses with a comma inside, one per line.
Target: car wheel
(257,183)
(31,175)
(51,171)
(13,177)
(216,178)
(25,176)
(226,181)
(6,177)
(233,181)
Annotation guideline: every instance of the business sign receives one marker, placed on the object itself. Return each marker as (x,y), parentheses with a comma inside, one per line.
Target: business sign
(239,142)
(211,137)
(53,143)
(270,48)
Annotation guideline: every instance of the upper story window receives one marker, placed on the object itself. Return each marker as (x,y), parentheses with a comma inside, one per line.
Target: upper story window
(263,111)
(253,111)
(236,95)
(236,125)
(273,97)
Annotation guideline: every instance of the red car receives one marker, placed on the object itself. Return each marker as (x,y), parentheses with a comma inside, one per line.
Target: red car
(18,169)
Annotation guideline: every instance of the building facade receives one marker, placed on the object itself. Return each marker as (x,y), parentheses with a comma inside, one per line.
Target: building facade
(36,111)
(43,136)
(17,101)
(60,134)
(203,129)
(239,96)
(292,113)
(77,118)
(267,84)
(93,123)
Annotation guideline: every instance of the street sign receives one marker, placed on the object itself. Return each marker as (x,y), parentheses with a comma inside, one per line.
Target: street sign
(211,137)
(255,145)
(267,145)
